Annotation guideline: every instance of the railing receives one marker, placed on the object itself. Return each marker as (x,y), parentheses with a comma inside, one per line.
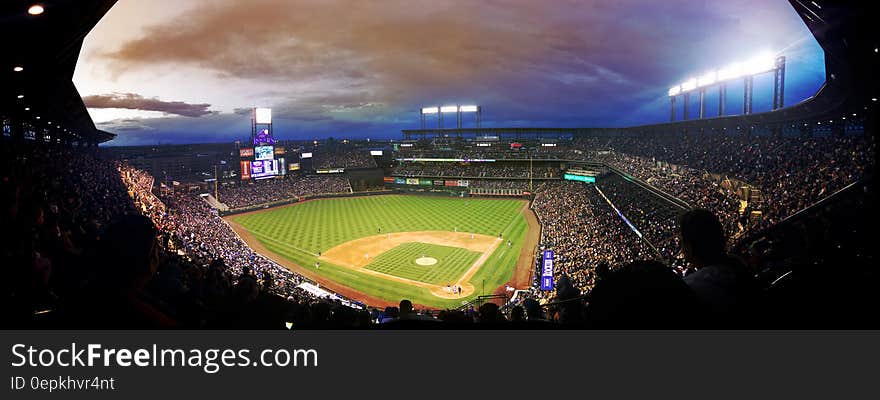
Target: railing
(832,198)
(644,185)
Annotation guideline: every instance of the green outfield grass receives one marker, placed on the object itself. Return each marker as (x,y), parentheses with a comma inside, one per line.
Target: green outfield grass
(300,231)
(400,261)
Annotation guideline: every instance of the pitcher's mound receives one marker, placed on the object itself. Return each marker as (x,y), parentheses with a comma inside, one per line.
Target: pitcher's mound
(426,261)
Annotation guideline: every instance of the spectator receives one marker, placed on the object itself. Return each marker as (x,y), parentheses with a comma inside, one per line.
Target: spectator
(644,294)
(721,282)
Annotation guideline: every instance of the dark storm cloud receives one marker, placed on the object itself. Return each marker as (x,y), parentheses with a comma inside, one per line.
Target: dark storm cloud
(134,101)
(409,52)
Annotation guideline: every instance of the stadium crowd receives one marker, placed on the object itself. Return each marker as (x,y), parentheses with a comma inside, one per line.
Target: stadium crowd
(516,184)
(790,173)
(655,218)
(584,233)
(88,244)
(343,157)
(249,193)
(473,170)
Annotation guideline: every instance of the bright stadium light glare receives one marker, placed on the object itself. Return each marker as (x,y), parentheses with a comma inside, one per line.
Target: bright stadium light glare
(732,71)
(430,110)
(35,9)
(468,108)
(761,63)
(689,85)
(675,90)
(449,109)
(707,79)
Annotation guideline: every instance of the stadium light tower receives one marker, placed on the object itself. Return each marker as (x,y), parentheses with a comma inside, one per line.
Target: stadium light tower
(429,111)
(450,110)
(478,113)
(747,70)
(458,110)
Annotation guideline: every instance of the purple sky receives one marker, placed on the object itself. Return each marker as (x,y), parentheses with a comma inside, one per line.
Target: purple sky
(162,72)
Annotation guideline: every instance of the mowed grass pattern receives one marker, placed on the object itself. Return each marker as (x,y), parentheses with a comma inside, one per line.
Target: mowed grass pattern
(452,262)
(298,232)
(318,226)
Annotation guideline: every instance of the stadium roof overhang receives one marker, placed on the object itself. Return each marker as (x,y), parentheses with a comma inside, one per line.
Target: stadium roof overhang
(46,48)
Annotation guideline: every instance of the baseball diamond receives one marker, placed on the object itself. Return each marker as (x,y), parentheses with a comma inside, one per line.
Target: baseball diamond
(389,247)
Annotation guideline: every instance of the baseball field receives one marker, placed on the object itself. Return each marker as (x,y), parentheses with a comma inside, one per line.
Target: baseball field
(438,252)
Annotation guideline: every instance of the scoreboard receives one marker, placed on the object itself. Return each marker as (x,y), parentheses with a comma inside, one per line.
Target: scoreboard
(259,161)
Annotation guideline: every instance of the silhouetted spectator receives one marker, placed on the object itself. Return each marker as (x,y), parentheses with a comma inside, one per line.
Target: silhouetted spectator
(129,256)
(721,282)
(644,294)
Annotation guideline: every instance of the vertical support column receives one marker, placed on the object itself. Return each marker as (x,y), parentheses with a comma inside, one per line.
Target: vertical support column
(747,94)
(702,103)
(779,83)
(479,117)
(672,108)
(687,99)
(422,117)
(722,99)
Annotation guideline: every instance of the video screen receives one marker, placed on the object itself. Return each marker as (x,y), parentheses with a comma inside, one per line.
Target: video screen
(264,153)
(264,169)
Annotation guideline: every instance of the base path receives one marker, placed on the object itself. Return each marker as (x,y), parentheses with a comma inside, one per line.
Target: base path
(352,254)
(309,273)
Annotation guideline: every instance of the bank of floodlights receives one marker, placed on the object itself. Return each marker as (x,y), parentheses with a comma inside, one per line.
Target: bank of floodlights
(458,110)
(745,70)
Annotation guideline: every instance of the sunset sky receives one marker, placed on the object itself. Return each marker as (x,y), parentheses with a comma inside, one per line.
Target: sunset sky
(171,71)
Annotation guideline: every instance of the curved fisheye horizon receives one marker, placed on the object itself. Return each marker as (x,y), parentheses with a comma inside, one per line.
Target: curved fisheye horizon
(162,72)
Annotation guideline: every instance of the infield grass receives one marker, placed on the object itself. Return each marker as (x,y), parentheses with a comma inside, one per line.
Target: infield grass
(300,231)
(400,261)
